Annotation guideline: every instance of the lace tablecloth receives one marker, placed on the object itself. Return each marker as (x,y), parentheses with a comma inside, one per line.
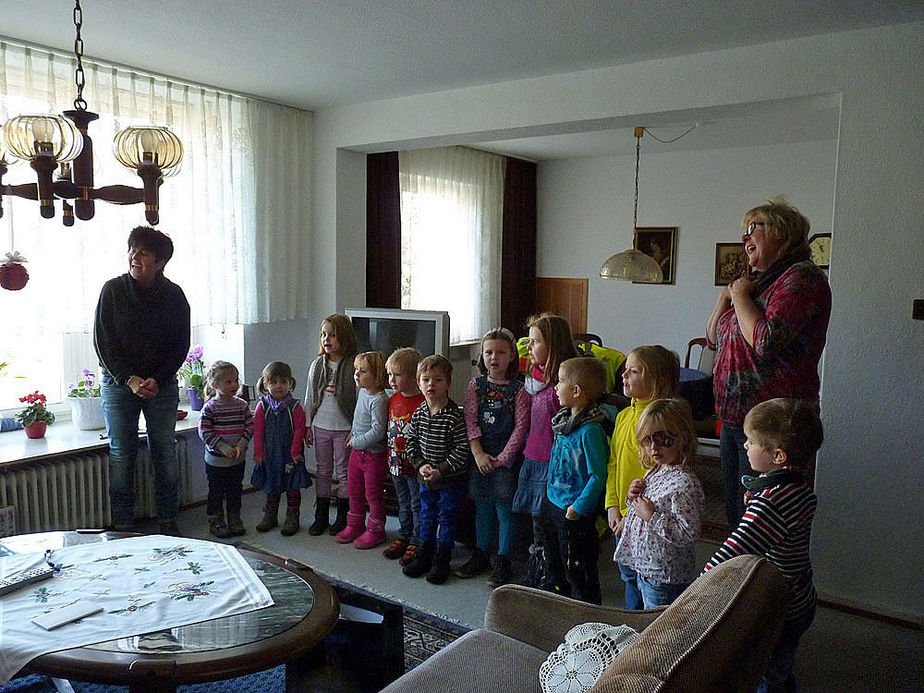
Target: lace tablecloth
(144,584)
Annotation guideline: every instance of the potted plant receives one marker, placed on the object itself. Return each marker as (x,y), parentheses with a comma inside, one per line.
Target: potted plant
(191,371)
(86,402)
(35,417)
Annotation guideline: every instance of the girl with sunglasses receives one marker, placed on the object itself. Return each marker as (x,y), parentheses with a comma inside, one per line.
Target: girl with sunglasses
(655,553)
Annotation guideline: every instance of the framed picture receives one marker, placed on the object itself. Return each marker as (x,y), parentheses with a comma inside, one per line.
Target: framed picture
(731,262)
(820,244)
(660,244)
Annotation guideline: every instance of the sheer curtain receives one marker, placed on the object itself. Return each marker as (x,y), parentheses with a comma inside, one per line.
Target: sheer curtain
(451,233)
(238,211)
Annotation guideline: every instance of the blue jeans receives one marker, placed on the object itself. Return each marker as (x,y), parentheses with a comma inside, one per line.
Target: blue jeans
(734,460)
(440,508)
(408,492)
(489,514)
(121,408)
(645,593)
(778,675)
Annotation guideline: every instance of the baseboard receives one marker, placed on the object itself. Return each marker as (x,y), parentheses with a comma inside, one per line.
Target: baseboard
(894,618)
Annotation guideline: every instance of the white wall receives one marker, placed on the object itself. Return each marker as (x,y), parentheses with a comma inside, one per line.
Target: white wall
(585,215)
(867,543)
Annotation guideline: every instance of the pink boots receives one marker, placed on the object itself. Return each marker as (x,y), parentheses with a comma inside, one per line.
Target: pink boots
(373,536)
(354,528)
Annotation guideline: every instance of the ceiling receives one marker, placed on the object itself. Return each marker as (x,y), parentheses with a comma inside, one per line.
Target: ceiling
(317,54)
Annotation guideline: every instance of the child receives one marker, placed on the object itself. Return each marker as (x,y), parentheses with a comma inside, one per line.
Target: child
(576,479)
(278,432)
(783,436)
(651,372)
(438,447)
(496,409)
(226,427)
(550,344)
(331,400)
(368,460)
(655,553)
(402,378)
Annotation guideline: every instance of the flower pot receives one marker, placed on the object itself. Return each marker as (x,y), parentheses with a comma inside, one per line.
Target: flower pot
(87,413)
(195,399)
(36,429)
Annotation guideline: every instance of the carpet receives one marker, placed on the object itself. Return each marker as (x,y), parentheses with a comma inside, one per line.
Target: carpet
(424,636)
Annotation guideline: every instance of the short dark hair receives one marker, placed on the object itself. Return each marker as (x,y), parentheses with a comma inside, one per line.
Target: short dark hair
(157,242)
(587,372)
(435,362)
(792,425)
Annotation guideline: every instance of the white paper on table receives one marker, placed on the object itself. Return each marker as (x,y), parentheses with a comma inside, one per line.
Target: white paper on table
(144,584)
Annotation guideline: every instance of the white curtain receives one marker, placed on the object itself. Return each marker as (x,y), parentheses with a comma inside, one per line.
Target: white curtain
(238,211)
(451,232)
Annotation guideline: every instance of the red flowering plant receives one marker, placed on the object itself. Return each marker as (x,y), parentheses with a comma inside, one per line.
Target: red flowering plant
(35,411)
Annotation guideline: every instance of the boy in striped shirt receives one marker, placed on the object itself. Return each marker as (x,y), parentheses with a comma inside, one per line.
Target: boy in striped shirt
(437,446)
(783,436)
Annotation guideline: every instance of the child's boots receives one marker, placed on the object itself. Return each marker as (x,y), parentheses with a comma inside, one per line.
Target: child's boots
(439,571)
(480,562)
(423,559)
(372,537)
(343,509)
(321,517)
(217,526)
(236,525)
(270,519)
(503,571)
(354,528)
(290,526)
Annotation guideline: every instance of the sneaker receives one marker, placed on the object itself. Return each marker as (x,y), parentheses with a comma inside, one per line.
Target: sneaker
(395,549)
(409,554)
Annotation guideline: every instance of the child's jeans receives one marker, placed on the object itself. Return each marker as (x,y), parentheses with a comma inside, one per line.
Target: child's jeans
(439,510)
(225,487)
(408,492)
(488,515)
(365,483)
(333,460)
(571,553)
(645,593)
(778,674)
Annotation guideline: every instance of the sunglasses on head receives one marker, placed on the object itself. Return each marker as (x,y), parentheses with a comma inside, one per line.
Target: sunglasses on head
(662,439)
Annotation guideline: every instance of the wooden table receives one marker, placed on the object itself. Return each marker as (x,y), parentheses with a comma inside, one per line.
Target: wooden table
(305,611)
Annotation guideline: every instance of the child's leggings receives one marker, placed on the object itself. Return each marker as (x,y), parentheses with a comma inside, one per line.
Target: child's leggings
(366,481)
(293,499)
(489,514)
(333,460)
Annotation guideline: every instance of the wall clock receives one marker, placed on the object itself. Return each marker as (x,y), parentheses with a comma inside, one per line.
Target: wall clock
(820,245)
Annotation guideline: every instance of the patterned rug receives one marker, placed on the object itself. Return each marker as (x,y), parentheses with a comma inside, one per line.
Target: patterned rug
(424,635)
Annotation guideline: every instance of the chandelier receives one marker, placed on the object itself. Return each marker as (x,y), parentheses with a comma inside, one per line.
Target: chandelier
(633,265)
(54,143)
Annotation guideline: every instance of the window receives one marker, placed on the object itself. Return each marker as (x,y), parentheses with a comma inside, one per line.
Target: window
(451,231)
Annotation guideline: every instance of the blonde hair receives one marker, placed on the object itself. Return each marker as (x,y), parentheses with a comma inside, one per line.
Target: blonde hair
(404,359)
(375,362)
(784,223)
(672,416)
(660,370)
(586,372)
(792,425)
(343,329)
(504,335)
(436,362)
(275,370)
(556,331)
(213,375)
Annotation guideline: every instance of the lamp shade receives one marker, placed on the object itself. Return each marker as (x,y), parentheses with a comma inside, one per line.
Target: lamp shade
(156,147)
(632,265)
(32,137)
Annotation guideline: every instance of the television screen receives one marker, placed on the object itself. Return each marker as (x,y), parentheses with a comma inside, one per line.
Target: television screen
(382,329)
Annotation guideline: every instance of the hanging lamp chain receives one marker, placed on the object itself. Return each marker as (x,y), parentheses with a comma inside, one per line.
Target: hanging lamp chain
(79,103)
(638,152)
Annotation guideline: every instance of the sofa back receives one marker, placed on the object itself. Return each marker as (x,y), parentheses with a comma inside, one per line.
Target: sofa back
(717,636)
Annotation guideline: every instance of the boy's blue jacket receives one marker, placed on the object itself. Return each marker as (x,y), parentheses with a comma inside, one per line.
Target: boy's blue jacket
(577,467)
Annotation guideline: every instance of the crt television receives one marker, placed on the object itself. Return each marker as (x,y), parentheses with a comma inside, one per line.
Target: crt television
(387,329)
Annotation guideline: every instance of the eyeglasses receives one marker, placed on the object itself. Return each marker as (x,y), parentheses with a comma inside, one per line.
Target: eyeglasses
(662,439)
(752,225)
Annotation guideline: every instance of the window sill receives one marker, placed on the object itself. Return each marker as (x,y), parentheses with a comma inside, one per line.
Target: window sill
(63,438)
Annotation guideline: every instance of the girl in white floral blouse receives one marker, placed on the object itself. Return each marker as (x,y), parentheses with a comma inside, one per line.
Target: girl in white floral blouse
(655,553)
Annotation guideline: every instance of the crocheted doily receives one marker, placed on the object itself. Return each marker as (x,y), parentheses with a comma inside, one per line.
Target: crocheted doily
(589,648)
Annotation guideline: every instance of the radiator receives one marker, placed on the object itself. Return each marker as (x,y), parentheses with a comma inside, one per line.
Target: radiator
(73,491)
